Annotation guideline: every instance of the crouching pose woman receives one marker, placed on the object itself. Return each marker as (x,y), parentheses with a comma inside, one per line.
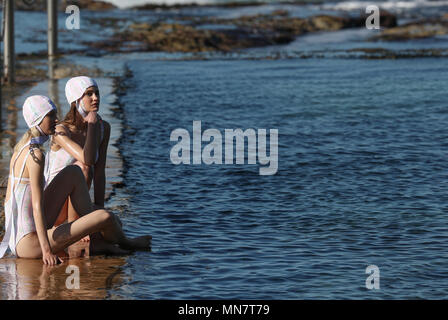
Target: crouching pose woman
(82,139)
(31,212)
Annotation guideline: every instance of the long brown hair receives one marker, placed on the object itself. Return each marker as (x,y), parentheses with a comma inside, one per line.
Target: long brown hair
(73,119)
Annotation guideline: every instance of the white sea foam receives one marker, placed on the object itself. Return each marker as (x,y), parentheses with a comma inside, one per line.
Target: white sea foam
(132,3)
(342,5)
(388,5)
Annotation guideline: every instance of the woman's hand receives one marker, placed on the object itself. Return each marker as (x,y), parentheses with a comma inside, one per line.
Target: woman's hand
(51,259)
(92,117)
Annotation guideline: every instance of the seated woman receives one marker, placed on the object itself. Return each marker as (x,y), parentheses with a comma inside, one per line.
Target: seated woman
(82,139)
(31,211)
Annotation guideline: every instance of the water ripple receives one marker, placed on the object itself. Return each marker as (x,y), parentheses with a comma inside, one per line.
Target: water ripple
(360,181)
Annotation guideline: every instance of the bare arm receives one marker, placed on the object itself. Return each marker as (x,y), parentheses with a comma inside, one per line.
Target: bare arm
(99,178)
(91,144)
(85,155)
(35,165)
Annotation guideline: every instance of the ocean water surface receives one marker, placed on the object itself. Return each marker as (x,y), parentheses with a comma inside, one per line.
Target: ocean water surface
(361,181)
(362,171)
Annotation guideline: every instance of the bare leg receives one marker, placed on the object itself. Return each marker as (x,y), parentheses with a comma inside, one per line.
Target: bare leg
(68,233)
(87,172)
(62,214)
(97,221)
(70,182)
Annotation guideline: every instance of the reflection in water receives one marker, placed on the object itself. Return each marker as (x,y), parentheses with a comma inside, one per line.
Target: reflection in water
(53,83)
(12,121)
(30,279)
(51,67)
(9,134)
(53,93)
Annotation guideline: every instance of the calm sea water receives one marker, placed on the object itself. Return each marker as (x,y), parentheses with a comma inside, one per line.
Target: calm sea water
(362,180)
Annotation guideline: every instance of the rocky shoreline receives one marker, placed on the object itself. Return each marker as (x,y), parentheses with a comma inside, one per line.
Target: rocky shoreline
(193,34)
(221,5)
(187,32)
(420,29)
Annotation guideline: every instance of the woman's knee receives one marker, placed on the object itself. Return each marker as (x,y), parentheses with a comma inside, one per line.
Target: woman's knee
(74,172)
(104,217)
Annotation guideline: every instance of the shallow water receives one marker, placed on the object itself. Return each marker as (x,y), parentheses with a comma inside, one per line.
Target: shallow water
(361,180)
(31,34)
(24,279)
(361,176)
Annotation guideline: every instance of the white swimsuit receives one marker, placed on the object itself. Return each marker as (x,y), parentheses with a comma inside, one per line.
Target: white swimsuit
(18,209)
(55,161)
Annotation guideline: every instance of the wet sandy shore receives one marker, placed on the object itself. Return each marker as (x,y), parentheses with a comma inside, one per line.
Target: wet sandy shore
(77,278)
(30,279)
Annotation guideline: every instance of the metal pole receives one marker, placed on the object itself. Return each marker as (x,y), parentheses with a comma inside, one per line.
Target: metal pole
(9,42)
(52,27)
(54,94)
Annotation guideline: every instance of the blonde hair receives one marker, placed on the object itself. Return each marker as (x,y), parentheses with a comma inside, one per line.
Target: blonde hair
(33,132)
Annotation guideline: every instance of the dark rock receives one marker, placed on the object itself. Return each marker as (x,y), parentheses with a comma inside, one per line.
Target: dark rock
(246,32)
(219,5)
(387,19)
(89,4)
(415,30)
